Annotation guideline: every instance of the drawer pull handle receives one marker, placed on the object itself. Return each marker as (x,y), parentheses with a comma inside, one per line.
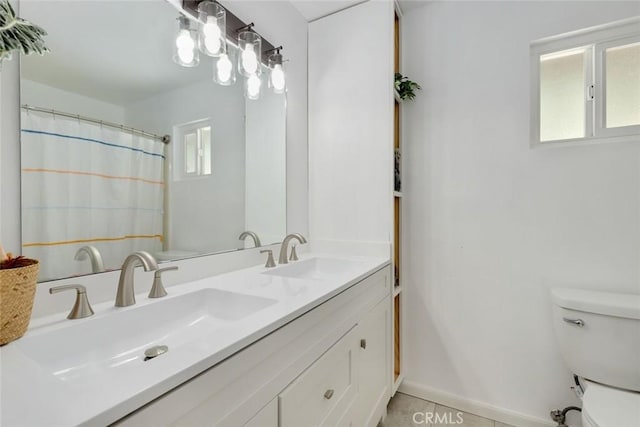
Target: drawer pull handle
(363,343)
(328,394)
(577,322)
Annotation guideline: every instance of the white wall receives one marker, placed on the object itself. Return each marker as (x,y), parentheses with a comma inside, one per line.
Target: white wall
(490,224)
(351,124)
(39,95)
(265,161)
(215,202)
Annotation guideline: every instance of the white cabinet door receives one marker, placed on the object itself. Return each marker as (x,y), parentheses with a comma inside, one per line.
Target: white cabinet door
(374,335)
(351,124)
(267,417)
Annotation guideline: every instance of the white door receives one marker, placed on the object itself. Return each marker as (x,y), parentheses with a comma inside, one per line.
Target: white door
(374,335)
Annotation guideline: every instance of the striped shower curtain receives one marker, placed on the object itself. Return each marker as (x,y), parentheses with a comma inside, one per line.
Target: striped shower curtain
(88,185)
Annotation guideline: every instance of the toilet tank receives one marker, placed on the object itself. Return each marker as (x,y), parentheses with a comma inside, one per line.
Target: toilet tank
(599,335)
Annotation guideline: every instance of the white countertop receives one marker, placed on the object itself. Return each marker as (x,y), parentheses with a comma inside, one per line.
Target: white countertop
(34,396)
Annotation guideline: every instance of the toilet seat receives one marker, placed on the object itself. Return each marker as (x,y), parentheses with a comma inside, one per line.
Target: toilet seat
(604,406)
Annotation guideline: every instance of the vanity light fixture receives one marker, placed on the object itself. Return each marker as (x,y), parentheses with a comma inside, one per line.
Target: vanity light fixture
(250,51)
(213,28)
(213,38)
(277,80)
(186,52)
(223,68)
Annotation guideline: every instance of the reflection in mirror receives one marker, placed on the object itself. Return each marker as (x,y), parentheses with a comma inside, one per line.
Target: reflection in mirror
(92,193)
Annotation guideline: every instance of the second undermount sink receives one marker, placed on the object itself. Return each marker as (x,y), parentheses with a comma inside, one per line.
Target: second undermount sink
(318,268)
(111,343)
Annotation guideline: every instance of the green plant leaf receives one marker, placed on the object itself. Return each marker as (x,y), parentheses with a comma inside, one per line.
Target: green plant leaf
(405,87)
(19,34)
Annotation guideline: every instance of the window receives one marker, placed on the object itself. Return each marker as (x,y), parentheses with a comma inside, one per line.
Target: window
(586,85)
(193,154)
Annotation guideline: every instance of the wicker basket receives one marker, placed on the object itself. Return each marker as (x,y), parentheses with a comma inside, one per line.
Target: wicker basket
(17,290)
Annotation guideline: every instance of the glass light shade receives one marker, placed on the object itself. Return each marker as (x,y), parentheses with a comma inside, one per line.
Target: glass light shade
(249,53)
(185,48)
(212,35)
(224,72)
(277,81)
(252,87)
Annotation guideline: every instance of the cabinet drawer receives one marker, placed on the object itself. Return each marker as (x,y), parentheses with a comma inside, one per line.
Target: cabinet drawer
(322,394)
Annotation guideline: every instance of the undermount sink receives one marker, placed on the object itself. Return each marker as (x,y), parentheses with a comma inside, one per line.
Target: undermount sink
(317,268)
(107,344)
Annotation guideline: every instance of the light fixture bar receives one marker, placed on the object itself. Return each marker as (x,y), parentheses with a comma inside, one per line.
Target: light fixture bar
(234,26)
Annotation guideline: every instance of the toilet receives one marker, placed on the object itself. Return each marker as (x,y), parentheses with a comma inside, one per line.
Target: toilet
(599,337)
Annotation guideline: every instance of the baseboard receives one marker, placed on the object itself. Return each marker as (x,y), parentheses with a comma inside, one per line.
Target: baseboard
(472,406)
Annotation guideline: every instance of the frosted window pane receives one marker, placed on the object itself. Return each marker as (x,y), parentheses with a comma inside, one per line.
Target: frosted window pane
(562,96)
(190,153)
(206,150)
(623,85)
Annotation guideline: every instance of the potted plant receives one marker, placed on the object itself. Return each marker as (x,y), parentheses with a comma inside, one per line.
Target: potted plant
(18,279)
(405,87)
(16,34)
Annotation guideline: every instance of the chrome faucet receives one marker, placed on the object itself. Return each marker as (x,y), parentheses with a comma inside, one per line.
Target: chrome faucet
(284,248)
(125,296)
(254,236)
(97,266)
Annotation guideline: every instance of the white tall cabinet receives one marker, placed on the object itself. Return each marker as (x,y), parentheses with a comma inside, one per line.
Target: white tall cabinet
(351,124)
(352,137)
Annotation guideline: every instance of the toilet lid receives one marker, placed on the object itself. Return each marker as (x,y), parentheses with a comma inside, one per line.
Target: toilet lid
(609,407)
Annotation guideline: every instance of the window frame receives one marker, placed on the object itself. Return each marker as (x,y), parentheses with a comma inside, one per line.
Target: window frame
(594,40)
(179,151)
(601,94)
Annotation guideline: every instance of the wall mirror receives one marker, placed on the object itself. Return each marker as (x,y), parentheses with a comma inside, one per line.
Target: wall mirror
(93,193)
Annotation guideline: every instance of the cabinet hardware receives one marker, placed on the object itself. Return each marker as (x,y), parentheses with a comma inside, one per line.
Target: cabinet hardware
(328,394)
(363,343)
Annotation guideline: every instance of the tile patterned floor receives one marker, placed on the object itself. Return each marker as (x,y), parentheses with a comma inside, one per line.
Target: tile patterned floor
(401,410)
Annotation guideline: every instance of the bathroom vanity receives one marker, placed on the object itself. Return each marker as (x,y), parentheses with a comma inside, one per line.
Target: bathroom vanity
(307,343)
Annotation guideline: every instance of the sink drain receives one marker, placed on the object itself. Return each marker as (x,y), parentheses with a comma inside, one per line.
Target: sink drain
(155,351)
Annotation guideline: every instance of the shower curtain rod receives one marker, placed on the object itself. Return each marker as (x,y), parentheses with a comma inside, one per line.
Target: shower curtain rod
(165,139)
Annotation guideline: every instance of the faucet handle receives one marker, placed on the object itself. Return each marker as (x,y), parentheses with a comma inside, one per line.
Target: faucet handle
(294,254)
(158,290)
(270,261)
(81,308)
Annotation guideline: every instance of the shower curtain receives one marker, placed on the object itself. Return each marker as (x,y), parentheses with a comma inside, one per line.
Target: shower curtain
(84,184)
